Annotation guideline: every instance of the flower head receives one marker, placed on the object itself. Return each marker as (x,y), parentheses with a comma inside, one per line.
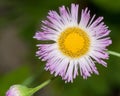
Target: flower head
(78,44)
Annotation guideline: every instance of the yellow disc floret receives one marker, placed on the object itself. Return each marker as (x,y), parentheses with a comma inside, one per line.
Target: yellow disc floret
(74,42)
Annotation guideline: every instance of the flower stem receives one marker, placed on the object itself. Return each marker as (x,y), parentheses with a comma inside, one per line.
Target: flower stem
(114,53)
(34,90)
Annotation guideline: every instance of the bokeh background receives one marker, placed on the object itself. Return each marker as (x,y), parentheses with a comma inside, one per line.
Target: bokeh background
(20,19)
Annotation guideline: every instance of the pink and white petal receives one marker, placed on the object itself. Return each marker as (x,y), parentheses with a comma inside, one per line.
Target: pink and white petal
(62,67)
(45,36)
(69,74)
(75,69)
(83,70)
(96,22)
(65,15)
(74,14)
(85,17)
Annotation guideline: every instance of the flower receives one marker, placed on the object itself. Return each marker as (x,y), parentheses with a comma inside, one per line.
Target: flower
(78,44)
(18,90)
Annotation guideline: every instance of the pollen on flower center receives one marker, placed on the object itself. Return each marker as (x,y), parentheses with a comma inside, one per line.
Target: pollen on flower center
(74,42)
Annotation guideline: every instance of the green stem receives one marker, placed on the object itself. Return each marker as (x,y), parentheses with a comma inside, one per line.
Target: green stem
(33,90)
(114,53)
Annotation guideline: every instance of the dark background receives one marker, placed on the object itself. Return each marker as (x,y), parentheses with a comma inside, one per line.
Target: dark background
(19,20)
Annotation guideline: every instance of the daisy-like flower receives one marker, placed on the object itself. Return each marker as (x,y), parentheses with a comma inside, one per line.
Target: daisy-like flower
(78,44)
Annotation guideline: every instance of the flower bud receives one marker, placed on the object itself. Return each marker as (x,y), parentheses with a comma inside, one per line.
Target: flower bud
(18,90)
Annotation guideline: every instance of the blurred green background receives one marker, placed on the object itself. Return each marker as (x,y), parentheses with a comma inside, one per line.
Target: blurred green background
(20,19)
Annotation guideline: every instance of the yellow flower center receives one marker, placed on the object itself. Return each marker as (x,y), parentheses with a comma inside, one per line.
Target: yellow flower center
(74,42)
